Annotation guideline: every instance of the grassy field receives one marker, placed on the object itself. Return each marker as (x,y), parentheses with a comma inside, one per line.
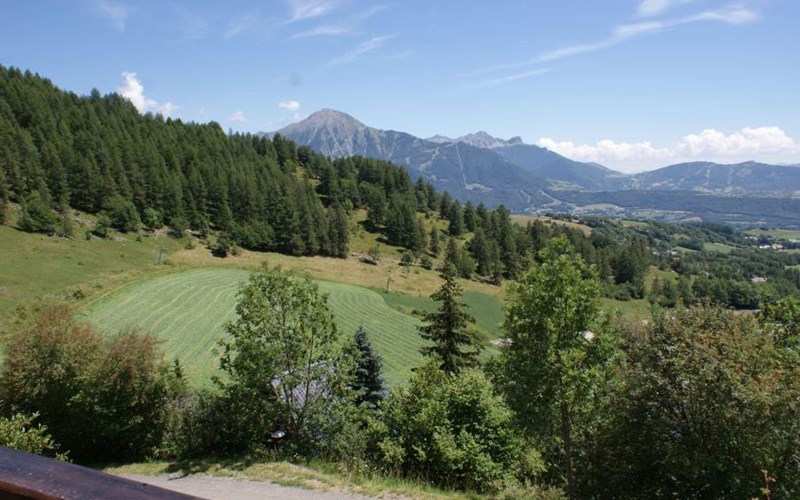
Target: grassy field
(782,234)
(35,265)
(188,311)
(486,309)
(524,219)
(718,247)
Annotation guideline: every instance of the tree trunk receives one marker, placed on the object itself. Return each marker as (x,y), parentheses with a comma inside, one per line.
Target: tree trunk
(566,438)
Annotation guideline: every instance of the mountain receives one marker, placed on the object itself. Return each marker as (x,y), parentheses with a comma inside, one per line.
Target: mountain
(466,171)
(740,178)
(526,177)
(561,171)
(484,140)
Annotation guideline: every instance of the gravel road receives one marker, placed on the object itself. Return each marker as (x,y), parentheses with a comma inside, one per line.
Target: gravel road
(213,487)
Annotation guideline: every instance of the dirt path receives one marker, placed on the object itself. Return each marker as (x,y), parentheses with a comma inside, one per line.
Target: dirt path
(213,487)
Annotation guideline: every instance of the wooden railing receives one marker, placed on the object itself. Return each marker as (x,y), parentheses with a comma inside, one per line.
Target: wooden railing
(28,476)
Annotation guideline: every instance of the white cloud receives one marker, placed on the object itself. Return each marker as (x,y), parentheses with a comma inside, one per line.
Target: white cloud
(237,117)
(133,90)
(289,105)
(622,155)
(747,141)
(115,12)
(309,9)
(767,144)
(363,48)
(649,8)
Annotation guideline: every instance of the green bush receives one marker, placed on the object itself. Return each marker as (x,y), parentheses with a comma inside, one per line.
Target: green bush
(37,217)
(453,431)
(709,401)
(101,398)
(123,214)
(20,433)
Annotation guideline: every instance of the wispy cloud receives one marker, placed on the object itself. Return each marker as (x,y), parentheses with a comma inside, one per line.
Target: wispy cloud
(362,48)
(115,12)
(241,24)
(493,82)
(650,8)
(133,90)
(371,11)
(323,30)
(237,117)
(732,15)
(192,26)
(300,10)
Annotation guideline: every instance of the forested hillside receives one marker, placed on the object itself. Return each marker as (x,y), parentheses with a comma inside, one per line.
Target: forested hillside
(97,152)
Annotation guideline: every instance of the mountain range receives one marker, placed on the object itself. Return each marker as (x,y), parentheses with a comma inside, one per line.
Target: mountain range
(524,177)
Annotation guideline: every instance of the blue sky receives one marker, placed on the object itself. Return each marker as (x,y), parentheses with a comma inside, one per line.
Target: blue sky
(633,84)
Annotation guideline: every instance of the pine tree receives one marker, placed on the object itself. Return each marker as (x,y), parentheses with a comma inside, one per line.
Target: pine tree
(434,241)
(67,228)
(454,346)
(338,230)
(456,218)
(368,382)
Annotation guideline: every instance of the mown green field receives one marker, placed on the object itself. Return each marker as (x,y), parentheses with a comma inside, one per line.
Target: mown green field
(487,310)
(188,310)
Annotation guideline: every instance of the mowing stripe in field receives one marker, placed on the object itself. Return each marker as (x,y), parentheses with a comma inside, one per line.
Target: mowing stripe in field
(188,311)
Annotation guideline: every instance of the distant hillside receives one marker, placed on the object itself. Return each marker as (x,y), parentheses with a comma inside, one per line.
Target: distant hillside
(748,177)
(466,171)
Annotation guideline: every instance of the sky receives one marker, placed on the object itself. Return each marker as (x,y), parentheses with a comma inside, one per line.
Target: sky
(631,84)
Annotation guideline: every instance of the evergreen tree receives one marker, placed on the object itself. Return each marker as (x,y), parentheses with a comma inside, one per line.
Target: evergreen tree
(470,217)
(456,218)
(434,242)
(454,345)
(67,228)
(338,226)
(368,383)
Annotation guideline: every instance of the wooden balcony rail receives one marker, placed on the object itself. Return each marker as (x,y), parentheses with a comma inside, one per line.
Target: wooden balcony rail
(27,476)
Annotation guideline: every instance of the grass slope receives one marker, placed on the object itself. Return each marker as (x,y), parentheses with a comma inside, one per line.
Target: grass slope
(36,265)
(188,310)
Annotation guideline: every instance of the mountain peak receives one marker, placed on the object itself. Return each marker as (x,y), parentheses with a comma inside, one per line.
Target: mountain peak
(327,116)
(482,139)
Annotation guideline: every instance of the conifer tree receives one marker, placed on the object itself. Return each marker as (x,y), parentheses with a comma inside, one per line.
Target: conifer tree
(434,242)
(454,346)
(368,382)
(338,230)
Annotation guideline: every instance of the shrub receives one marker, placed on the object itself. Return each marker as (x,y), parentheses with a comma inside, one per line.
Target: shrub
(102,227)
(426,262)
(453,431)
(223,247)
(20,433)
(709,401)
(37,217)
(100,398)
(152,218)
(123,214)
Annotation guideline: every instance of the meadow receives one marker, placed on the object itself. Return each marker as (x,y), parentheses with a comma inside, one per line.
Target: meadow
(188,311)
